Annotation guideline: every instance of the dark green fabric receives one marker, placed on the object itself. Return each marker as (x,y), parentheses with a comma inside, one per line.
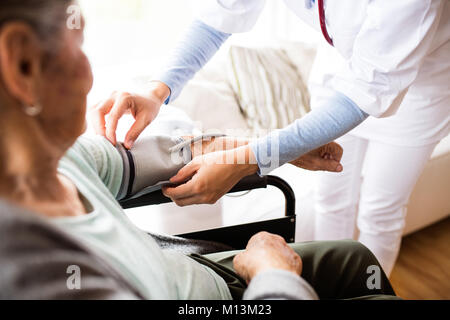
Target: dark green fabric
(335,269)
(235,283)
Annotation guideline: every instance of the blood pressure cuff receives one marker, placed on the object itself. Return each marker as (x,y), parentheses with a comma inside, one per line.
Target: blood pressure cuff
(152,161)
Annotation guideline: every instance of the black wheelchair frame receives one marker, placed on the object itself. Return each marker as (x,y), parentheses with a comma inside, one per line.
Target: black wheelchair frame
(237,236)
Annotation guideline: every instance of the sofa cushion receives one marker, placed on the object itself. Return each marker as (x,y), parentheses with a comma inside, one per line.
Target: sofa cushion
(225,96)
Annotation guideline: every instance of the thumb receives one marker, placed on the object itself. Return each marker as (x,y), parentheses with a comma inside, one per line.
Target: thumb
(185,173)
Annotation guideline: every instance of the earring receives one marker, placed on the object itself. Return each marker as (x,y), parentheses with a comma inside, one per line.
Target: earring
(33,111)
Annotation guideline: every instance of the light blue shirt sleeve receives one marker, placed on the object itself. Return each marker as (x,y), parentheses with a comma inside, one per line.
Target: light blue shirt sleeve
(196,48)
(319,127)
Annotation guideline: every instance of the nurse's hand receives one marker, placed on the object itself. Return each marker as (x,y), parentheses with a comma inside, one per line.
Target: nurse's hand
(325,158)
(209,177)
(105,115)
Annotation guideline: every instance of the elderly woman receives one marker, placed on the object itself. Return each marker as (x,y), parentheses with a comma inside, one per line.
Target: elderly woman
(71,185)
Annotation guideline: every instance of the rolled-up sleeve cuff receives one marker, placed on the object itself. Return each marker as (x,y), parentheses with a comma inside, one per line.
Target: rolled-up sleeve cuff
(267,153)
(169,80)
(279,285)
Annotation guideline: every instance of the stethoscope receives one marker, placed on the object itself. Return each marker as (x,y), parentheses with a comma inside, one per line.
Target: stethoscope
(323,23)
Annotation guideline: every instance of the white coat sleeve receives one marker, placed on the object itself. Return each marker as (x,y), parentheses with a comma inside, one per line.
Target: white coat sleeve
(230,16)
(388,53)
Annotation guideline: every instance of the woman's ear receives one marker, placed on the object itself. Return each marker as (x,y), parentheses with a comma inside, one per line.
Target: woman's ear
(20,61)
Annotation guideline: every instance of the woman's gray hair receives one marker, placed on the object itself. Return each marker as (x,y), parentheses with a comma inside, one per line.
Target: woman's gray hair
(46,17)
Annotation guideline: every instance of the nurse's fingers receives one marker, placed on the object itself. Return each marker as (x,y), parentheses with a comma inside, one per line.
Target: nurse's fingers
(181,192)
(123,102)
(97,116)
(142,121)
(189,201)
(186,172)
(329,165)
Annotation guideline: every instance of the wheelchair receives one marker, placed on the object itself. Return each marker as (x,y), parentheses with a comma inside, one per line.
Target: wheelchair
(237,237)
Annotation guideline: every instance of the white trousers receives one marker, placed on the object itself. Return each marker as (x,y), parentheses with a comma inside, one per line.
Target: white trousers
(373,189)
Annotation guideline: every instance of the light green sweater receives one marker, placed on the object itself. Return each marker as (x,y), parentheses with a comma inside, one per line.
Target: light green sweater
(96,168)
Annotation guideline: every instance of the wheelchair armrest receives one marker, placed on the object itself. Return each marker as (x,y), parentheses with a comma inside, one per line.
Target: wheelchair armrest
(248,183)
(241,233)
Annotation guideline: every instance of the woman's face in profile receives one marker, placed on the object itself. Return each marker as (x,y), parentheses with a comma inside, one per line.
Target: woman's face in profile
(66,81)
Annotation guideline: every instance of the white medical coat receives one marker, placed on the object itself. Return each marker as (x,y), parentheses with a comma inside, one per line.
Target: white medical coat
(384,50)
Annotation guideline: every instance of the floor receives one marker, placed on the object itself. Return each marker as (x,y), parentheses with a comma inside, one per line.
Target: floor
(422,270)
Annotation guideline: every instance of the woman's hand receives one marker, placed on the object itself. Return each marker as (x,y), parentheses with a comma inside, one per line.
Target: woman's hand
(266,251)
(325,158)
(105,115)
(209,177)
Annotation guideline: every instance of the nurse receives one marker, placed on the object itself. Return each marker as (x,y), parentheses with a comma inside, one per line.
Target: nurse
(384,67)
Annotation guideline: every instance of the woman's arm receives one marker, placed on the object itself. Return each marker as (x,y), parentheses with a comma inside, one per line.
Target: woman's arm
(210,176)
(198,45)
(321,126)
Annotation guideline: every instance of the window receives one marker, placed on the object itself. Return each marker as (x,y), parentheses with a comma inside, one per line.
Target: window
(126,40)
